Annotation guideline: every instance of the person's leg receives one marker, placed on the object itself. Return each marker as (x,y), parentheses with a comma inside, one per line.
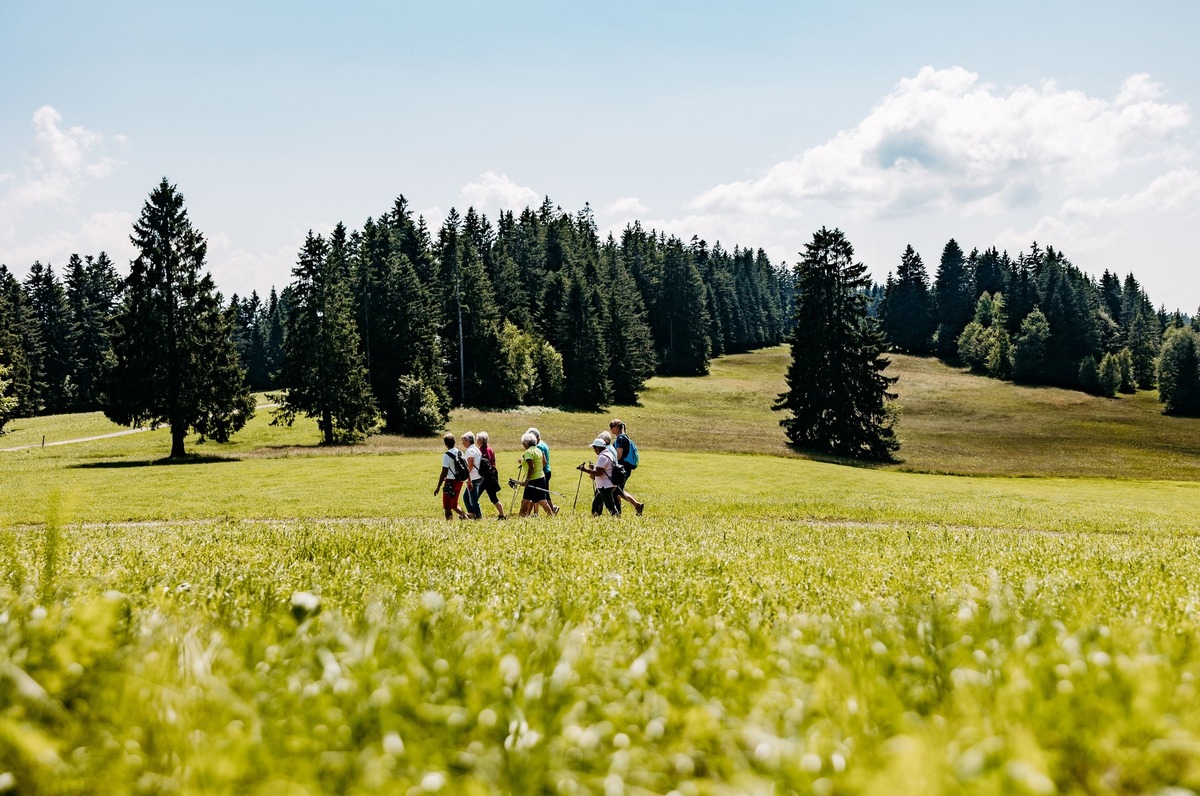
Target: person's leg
(611,501)
(526,507)
(597,503)
(549,497)
(471,498)
(458,487)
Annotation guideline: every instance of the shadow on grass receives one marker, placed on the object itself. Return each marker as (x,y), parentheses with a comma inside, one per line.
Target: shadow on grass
(153,463)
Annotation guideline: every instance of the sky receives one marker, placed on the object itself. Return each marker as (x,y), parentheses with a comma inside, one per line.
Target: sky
(1071,124)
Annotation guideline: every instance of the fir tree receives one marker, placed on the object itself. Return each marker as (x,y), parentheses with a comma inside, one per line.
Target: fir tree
(1029,350)
(908,319)
(837,398)
(954,298)
(175,362)
(323,370)
(681,324)
(627,337)
(92,287)
(8,401)
(1179,373)
(55,391)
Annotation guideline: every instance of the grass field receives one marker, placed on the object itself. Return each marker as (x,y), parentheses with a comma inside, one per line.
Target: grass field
(277,617)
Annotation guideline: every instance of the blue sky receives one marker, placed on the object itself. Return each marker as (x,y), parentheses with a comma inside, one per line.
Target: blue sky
(1069,123)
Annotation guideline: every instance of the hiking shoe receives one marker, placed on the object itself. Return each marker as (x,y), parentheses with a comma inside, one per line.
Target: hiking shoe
(501,517)
(639,508)
(555,510)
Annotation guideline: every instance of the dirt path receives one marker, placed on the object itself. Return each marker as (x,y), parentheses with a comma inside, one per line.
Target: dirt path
(73,441)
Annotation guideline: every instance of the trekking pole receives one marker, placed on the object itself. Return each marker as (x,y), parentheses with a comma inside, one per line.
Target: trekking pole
(575,505)
(513,482)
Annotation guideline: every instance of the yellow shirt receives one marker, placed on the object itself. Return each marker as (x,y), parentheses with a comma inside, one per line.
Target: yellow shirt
(532,464)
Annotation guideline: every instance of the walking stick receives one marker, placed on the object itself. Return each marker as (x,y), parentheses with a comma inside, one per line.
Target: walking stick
(575,505)
(513,501)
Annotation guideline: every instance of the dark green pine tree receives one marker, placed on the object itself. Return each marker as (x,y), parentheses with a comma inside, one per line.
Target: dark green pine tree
(627,337)
(681,323)
(20,342)
(837,397)
(395,314)
(471,319)
(953,298)
(581,343)
(323,372)
(55,388)
(276,324)
(174,359)
(1179,372)
(908,320)
(92,289)
(990,270)
(8,401)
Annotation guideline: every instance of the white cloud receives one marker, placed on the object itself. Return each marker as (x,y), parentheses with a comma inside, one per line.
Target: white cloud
(494,192)
(60,162)
(41,201)
(945,141)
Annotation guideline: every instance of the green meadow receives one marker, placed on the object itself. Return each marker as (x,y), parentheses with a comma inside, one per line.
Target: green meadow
(1010,608)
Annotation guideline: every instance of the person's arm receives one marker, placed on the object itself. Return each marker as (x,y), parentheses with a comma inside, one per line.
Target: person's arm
(441,480)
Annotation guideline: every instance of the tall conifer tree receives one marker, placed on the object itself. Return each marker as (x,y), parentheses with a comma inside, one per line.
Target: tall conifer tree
(175,362)
(323,370)
(837,397)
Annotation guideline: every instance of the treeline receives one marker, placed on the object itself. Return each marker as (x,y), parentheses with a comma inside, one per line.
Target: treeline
(1035,319)
(533,309)
(395,322)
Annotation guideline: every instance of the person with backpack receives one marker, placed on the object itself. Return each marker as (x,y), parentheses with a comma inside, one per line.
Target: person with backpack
(532,477)
(607,495)
(627,462)
(454,474)
(545,449)
(474,482)
(491,477)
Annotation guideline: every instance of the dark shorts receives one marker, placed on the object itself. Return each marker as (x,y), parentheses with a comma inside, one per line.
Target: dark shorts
(535,490)
(493,490)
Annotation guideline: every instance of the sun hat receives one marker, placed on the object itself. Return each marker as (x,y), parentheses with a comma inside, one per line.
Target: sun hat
(599,443)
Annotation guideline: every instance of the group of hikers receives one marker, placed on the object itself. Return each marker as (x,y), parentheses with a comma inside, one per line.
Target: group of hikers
(470,472)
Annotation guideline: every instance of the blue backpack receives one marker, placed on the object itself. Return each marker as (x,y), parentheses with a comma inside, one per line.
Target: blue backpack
(631,456)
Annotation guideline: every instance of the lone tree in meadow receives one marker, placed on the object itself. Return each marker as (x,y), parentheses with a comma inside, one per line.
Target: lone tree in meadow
(174,358)
(837,397)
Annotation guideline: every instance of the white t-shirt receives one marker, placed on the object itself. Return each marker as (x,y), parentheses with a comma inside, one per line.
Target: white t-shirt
(604,470)
(474,456)
(448,463)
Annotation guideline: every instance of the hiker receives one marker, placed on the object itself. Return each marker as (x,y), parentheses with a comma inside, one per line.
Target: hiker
(627,462)
(532,477)
(491,478)
(474,483)
(545,449)
(607,494)
(454,475)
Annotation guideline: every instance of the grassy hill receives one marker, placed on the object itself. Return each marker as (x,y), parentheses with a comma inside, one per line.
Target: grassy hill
(278,617)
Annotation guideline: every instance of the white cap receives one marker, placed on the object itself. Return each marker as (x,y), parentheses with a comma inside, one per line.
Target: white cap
(599,443)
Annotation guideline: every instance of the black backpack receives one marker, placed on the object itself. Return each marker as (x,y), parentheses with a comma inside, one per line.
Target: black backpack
(461,471)
(488,470)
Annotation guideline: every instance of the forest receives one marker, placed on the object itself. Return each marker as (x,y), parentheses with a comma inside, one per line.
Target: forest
(533,309)
(1039,319)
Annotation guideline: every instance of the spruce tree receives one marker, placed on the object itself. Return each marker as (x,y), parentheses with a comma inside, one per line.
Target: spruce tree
(323,372)
(1179,372)
(837,397)
(954,298)
(681,324)
(908,319)
(92,289)
(175,362)
(627,337)
(8,401)
(17,328)
(1029,349)
(48,300)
